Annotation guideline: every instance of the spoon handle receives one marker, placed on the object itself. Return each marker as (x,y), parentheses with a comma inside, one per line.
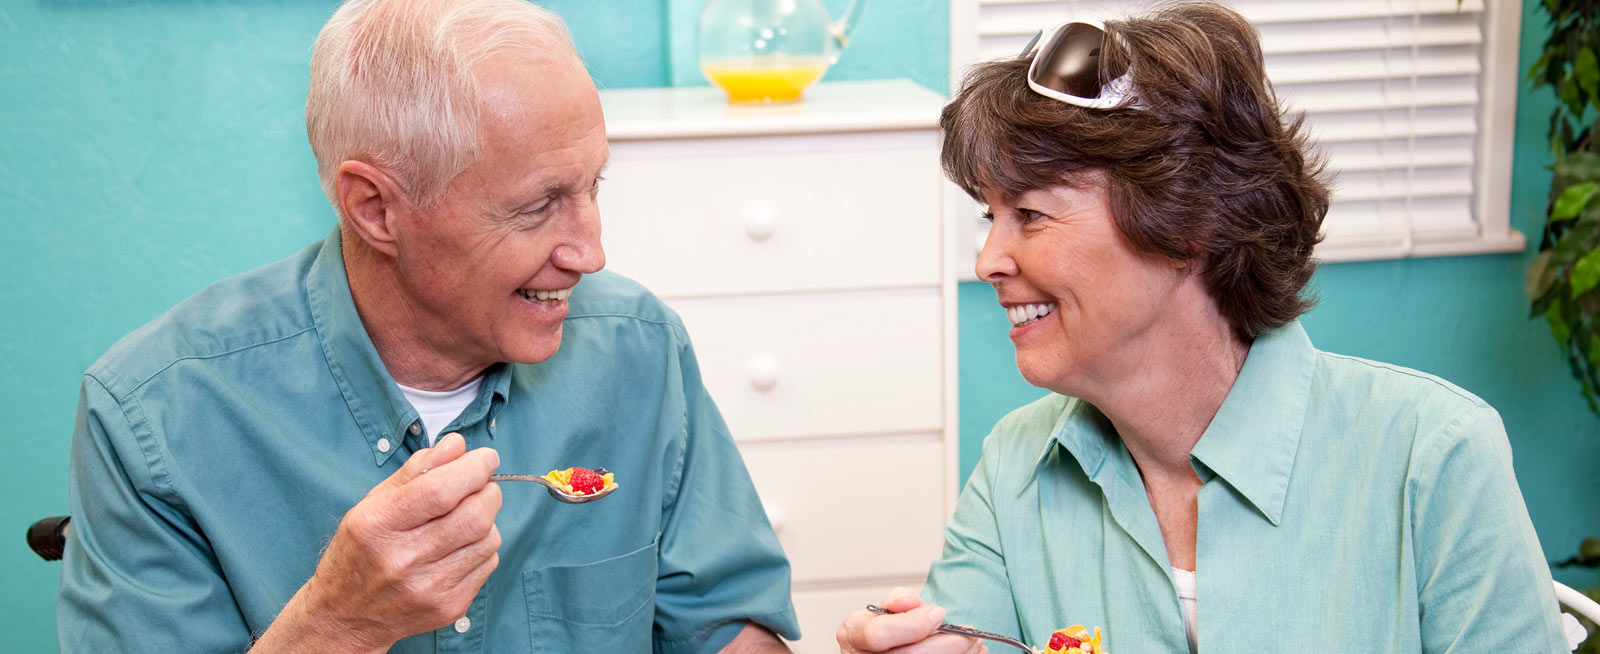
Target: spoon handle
(510,477)
(532,478)
(965,631)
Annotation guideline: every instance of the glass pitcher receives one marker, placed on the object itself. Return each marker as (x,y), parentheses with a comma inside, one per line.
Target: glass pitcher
(771,50)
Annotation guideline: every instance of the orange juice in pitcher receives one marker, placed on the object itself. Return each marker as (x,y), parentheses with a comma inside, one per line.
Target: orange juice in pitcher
(770,50)
(764,79)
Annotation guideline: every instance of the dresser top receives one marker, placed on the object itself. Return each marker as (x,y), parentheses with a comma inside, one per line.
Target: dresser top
(696,112)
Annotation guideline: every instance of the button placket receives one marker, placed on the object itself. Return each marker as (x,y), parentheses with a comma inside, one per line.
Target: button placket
(467,633)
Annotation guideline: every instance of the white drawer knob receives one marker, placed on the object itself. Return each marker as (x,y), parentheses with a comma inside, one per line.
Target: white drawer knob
(763,373)
(774,516)
(760,225)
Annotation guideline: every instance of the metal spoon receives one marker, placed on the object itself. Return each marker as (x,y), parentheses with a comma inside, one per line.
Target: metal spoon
(965,631)
(556,491)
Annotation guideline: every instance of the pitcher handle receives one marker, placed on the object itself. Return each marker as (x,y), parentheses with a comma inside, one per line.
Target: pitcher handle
(844,28)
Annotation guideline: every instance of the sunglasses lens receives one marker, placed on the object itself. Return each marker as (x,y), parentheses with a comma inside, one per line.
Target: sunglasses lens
(1070,62)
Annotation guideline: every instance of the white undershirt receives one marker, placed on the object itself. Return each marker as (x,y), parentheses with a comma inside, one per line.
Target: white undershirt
(1186,602)
(437,409)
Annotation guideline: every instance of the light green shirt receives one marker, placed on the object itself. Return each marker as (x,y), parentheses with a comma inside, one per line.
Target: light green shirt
(218,447)
(1347,505)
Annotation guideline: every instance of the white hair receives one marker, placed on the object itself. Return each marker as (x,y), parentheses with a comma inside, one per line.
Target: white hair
(392,84)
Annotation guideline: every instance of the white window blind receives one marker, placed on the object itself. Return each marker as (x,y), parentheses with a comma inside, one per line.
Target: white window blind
(1413,101)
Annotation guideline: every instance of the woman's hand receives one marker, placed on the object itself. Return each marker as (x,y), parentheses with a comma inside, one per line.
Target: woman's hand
(910,630)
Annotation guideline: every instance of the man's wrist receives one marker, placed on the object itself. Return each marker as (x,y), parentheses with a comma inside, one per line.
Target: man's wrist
(302,626)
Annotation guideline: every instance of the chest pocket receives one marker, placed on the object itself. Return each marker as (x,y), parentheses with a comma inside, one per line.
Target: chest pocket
(605,606)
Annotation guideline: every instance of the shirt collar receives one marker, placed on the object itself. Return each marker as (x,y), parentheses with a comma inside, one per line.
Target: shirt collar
(1086,434)
(375,401)
(1252,441)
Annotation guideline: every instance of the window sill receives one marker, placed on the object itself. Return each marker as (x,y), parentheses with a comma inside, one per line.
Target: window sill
(1374,249)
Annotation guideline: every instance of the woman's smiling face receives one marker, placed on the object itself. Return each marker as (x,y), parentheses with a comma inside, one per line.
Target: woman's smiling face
(1080,296)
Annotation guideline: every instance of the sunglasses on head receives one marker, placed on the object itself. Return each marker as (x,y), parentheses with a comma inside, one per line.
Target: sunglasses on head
(1066,67)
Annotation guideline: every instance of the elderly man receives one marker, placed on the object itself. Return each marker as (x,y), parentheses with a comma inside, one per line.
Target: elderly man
(262,467)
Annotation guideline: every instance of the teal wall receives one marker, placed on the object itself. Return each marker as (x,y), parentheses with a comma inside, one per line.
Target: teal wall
(1462,318)
(149,147)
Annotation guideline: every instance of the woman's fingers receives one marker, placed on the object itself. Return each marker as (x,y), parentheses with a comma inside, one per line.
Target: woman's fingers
(865,631)
(911,627)
(901,600)
(941,643)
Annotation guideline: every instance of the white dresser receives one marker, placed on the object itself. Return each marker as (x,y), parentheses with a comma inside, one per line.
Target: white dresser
(808,250)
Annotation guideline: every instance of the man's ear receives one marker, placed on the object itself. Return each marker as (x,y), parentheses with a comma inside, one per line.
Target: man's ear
(368,199)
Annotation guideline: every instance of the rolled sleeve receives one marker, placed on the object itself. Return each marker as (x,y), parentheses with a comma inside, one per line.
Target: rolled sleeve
(969,579)
(720,562)
(1482,583)
(137,575)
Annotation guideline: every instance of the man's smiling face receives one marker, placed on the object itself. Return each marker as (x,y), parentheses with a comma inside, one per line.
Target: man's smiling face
(488,270)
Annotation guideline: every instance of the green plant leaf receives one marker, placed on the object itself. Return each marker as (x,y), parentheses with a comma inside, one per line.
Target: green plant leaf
(1589,552)
(1572,200)
(1577,167)
(1586,273)
(1571,95)
(1553,72)
(1558,324)
(1537,69)
(1587,71)
(1572,245)
(1540,276)
(1591,214)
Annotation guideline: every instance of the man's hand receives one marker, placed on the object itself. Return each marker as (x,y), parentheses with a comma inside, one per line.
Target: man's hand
(911,629)
(408,558)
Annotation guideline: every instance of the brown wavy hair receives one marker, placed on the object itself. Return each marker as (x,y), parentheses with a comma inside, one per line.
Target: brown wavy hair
(1206,169)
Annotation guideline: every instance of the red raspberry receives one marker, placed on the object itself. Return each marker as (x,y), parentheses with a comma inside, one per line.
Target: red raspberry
(585,481)
(1061,641)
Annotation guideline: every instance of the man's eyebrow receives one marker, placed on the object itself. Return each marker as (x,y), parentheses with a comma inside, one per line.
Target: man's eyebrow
(551,187)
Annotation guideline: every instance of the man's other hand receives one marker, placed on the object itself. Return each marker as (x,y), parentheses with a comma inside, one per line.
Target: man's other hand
(408,558)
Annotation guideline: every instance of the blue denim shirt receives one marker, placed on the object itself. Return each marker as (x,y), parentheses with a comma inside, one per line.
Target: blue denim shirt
(218,446)
(1346,505)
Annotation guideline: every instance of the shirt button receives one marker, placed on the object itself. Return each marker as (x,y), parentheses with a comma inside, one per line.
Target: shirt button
(416,428)
(383,445)
(463,625)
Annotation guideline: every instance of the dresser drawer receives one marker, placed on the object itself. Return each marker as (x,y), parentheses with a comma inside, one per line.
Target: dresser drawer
(864,508)
(789,366)
(729,216)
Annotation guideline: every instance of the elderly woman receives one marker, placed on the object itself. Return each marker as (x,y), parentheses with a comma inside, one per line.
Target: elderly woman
(1201,477)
